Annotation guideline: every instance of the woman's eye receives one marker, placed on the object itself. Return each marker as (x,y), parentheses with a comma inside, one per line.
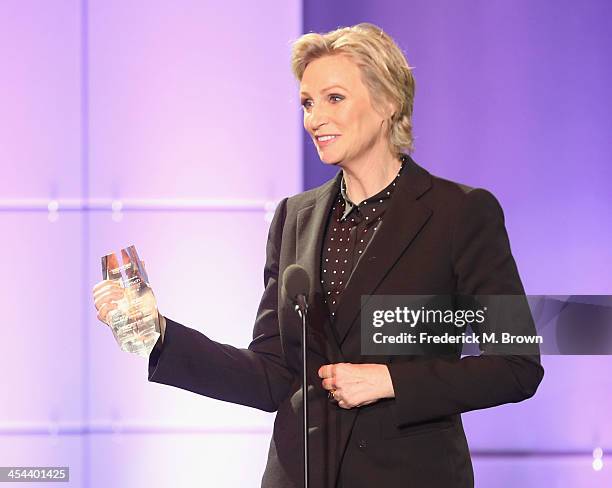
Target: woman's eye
(306,104)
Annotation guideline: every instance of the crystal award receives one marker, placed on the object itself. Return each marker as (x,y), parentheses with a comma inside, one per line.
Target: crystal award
(135,321)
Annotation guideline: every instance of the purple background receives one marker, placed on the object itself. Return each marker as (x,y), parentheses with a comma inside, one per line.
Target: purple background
(183,118)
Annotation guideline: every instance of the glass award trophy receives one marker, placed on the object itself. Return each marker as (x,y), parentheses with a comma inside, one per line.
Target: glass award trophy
(135,321)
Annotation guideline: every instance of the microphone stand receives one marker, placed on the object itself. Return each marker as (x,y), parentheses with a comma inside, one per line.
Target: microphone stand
(302,310)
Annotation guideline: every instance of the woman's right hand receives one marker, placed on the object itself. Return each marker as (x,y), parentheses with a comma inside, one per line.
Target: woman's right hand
(106,293)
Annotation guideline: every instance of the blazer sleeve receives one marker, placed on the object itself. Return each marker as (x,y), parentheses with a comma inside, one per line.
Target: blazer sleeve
(256,376)
(429,388)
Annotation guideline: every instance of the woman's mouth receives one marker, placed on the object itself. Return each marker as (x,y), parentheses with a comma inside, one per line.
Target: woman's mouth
(326,140)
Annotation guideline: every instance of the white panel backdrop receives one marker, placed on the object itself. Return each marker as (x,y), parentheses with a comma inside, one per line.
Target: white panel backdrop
(184,118)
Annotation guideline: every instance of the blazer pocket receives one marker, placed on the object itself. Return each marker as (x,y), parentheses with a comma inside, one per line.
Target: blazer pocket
(390,430)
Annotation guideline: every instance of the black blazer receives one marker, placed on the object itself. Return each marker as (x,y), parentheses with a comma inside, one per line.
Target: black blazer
(437,237)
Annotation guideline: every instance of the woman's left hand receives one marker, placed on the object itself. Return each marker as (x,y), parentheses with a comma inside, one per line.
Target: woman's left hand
(355,385)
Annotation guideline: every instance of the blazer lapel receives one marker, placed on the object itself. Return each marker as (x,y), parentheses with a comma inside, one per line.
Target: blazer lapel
(403,220)
(311,224)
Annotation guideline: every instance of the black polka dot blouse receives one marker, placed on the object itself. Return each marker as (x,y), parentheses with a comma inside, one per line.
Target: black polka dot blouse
(350,228)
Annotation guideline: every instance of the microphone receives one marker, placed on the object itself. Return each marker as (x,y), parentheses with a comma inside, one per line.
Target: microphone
(296,282)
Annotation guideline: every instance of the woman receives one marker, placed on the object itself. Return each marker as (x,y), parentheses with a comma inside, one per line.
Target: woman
(382,226)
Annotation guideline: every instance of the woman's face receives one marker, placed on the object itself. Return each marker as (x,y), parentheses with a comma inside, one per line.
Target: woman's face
(337,103)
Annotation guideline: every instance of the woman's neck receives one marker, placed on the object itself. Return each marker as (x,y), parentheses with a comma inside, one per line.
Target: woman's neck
(368,177)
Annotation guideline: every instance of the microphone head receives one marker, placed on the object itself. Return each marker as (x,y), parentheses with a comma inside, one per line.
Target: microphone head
(296,281)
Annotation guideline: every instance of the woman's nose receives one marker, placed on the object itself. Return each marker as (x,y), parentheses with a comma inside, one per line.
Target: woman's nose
(316,119)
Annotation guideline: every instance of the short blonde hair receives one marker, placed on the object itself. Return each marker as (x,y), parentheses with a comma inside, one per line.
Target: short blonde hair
(384,68)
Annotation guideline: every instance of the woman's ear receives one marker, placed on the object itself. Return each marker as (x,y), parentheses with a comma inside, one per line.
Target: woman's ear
(392,109)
